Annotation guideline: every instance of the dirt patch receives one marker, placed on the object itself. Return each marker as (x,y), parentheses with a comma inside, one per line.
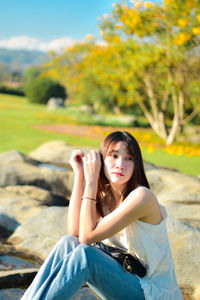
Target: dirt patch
(98,132)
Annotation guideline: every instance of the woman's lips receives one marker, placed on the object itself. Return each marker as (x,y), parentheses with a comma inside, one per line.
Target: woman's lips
(117,173)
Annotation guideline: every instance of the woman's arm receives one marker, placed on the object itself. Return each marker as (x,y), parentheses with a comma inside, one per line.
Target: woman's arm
(140,204)
(77,192)
(89,215)
(75,206)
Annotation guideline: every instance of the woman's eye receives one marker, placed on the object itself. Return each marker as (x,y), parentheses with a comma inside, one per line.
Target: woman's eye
(129,158)
(114,155)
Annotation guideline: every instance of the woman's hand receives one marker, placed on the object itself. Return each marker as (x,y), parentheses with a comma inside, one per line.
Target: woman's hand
(76,161)
(92,166)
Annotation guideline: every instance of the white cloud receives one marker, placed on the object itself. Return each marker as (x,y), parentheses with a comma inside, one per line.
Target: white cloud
(31,43)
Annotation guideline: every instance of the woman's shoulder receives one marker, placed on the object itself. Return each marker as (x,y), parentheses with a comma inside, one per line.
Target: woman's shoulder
(150,205)
(142,197)
(143,191)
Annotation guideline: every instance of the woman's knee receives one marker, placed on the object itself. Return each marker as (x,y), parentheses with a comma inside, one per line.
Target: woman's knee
(87,251)
(68,240)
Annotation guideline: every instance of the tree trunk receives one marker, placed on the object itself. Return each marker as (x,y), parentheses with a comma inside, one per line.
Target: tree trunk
(157,126)
(157,119)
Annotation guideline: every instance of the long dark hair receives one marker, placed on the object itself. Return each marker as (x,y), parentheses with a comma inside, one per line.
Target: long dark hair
(104,193)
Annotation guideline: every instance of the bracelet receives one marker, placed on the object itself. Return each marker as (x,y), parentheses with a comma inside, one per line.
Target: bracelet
(89,198)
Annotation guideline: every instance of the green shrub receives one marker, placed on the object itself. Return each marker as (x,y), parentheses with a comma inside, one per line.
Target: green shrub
(40,90)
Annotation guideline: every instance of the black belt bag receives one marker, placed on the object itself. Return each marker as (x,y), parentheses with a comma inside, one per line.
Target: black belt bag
(130,263)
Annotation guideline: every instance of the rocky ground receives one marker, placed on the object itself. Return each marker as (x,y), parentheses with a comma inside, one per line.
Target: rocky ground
(34,204)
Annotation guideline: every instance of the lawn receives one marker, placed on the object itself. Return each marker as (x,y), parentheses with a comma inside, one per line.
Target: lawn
(18,117)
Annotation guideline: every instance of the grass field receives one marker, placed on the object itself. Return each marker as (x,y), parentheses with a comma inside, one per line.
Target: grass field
(18,117)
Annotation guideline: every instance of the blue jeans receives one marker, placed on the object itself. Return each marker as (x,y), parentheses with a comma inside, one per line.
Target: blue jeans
(71,264)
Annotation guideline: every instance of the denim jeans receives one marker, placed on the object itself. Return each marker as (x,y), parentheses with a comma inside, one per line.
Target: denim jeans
(70,265)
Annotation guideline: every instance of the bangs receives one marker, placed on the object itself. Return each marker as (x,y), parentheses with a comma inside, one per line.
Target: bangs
(110,143)
(129,149)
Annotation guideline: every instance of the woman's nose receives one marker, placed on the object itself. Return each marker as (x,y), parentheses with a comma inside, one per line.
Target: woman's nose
(120,164)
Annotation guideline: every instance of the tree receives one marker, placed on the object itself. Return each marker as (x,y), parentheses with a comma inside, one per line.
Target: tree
(165,39)
(88,70)
(69,67)
(93,93)
(40,90)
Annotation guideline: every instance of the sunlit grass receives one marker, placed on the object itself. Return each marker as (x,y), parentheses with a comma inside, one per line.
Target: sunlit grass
(182,163)
(17,118)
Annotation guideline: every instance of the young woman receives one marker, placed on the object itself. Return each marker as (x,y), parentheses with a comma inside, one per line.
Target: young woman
(111,202)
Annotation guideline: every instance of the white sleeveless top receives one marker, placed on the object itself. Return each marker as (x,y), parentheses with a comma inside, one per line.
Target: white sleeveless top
(150,243)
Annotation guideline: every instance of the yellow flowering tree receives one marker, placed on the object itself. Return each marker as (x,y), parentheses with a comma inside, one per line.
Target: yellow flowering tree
(160,61)
(68,67)
(85,70)
(150,57)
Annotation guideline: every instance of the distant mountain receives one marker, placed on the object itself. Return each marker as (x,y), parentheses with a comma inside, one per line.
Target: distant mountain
(21,59)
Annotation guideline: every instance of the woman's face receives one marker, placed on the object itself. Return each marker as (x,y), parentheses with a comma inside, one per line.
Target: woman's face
(118,165)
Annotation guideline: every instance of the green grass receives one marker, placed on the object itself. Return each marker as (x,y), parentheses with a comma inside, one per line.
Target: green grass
(17,118)
(182,163)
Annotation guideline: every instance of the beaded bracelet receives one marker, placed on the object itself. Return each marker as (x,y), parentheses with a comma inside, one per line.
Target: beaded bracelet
(89,198)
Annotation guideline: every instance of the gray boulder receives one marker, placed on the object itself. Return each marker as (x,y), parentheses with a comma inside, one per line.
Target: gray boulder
(185,245)
(56,153)
(174,187)
(22,173)
(20,203)
(39,234)
(7,222)
(180,194)
(54,103)
(14,156)
(16,278)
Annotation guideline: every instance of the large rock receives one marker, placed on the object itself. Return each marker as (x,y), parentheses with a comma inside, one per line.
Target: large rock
(33,193)
(40,233)
(185,245)
(7,223)
(180,194)
(16,278)
(55,152)
(16,156)
(20,203)
(54,103)
(22,173)
(172,186)
(148,166)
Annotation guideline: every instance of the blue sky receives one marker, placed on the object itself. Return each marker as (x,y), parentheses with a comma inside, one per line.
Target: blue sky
(28,23)
(50,19)
(47,20)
